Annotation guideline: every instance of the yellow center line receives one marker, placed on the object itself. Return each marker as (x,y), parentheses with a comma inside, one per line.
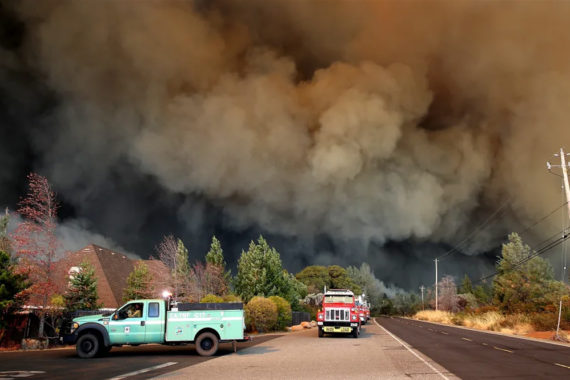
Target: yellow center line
(502,349)
(469,340)
(562,365)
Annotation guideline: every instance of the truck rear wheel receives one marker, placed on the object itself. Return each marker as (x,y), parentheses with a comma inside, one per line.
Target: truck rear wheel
(87,346)
(321,333)
(207,344)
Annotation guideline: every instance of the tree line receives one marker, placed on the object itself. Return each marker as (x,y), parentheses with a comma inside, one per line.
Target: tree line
(524,282)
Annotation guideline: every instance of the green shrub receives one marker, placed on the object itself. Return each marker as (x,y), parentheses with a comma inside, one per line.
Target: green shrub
(458,319)
(260,314)
(211,298)
(232,298)
(544,321)
(284,316)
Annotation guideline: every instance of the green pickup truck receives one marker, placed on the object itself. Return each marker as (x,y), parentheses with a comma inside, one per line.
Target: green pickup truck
(162,322)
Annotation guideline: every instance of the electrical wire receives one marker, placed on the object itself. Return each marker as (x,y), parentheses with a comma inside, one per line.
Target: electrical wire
(543,218)
(541,251)
(475,231)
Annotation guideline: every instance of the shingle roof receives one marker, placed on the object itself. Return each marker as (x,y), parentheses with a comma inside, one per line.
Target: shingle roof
(112,270)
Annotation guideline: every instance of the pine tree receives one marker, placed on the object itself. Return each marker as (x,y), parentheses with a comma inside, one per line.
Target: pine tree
(139,284)
(466,285)
(260,272)
(524,283)
(82,291)
(181,272)
(11,284)
(215,255)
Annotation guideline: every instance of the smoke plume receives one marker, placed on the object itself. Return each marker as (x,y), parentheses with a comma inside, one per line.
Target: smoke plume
(336,127)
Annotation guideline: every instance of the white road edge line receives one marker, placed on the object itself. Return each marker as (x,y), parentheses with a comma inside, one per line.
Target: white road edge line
(143,371)
(562,365)
(467,339)
(502,349)
(409,349)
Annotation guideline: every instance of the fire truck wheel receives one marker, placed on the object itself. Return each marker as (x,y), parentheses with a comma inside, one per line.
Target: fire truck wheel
(355,332)
(87,346)
(321,333)
(207,344)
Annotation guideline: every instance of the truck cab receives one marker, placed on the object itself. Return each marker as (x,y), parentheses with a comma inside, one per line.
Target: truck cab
(339,313)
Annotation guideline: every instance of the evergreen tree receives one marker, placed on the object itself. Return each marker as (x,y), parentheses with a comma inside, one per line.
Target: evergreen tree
(370,285)
(11,284)
(483,294)
(139,284)
(466,285)
(82,291)
(181,272)
(524,283)
(260,272)
(339,279)
(315,277)
(215,256)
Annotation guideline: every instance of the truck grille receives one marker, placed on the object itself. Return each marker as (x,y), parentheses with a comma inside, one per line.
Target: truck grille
(335,314)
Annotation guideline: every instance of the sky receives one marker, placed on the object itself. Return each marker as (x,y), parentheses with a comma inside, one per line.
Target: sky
(345,132)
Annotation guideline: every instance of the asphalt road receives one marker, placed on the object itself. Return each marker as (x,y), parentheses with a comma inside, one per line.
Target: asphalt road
(478,355)
(64,363)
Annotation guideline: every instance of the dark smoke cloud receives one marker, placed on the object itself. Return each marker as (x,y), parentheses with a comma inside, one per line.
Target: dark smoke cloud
(377,131)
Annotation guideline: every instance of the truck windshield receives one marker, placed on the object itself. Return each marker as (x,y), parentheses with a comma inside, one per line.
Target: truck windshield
(339,299)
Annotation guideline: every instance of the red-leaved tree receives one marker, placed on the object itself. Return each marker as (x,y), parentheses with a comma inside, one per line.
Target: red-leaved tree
(36,244)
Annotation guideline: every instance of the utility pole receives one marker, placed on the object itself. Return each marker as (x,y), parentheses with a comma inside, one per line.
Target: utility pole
(564,167)
(422,289)
(436,304)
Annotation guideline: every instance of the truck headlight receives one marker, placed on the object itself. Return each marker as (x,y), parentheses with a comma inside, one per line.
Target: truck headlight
(74,326)
(354,316)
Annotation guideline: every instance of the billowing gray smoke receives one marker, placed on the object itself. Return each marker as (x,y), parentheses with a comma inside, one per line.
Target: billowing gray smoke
(356,124)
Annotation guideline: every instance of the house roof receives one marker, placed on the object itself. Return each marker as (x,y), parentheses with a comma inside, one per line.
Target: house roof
(111,270)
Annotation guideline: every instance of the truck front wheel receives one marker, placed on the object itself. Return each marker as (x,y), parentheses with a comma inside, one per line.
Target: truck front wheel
(355,332)
(321,332)
(87,346)
(207,344)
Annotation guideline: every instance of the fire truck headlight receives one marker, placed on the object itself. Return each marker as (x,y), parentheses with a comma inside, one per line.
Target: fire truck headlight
(320,317)
(354,316)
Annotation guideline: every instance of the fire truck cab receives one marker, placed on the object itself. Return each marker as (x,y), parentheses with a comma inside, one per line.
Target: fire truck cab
(339,313)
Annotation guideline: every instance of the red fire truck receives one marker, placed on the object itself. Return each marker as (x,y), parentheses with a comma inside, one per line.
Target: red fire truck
(363,308)
(339,313)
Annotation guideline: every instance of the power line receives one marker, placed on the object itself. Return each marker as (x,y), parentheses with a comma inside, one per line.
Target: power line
(543,250)
(543,218)
(476,230)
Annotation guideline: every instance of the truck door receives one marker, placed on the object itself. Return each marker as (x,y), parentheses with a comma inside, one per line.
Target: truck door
(128,324)
(155,323)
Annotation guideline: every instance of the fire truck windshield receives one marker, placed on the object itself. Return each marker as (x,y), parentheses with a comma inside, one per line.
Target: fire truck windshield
(339,299)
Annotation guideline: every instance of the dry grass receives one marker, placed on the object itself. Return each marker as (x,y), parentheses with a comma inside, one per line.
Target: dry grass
(518,324)
(434,316)
(486,321)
